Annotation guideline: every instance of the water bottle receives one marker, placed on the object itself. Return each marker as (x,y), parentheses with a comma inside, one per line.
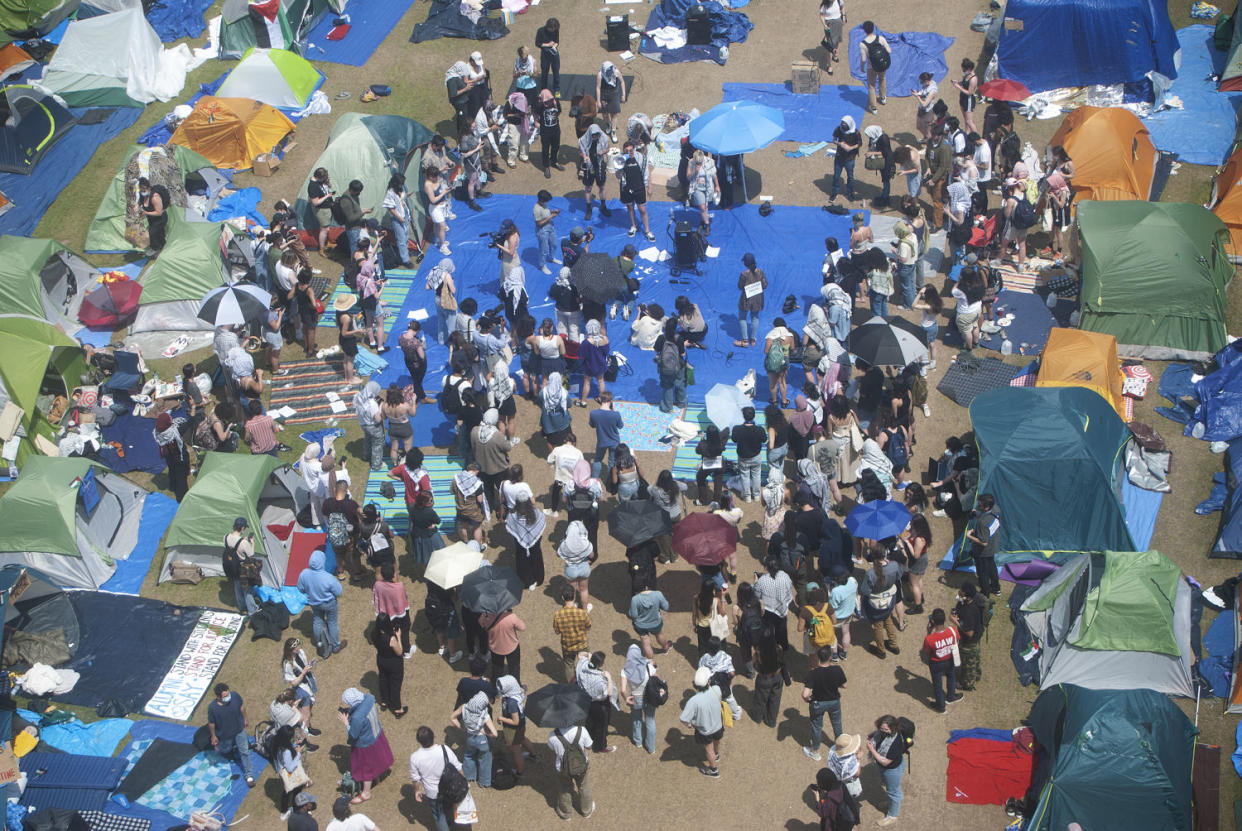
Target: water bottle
(1006,347)
(1051,302)
(1073,319)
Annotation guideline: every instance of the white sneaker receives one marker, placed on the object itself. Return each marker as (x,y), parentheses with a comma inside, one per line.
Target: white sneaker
(612,312)
(524,157)
(926,411)
(625,312)
(931,365)
(410,654)
(316,271)
(532,587)
(590,608)
(455,657)
(546,270)
(811,754)
(939,513)
(284,815)
(450,215)
(445,250)
(632,231)
(440,651)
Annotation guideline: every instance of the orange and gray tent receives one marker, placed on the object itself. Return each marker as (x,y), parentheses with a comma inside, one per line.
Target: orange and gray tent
(1226,198)
(30,123)
(1112,152)
(230,132)
(1074,358)
(14,60)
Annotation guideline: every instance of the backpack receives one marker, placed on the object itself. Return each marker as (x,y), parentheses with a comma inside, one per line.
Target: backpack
(670,360)
(338,530)
(821,629)
(777,359)
(895,448)
(450,398)
(574,762)
(905,733)
(879,57)
(656,691)
(790,559)
(453,785)
(1023,214)
(232,561)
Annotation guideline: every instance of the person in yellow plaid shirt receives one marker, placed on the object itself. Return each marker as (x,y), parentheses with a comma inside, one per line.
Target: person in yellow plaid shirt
(572,623)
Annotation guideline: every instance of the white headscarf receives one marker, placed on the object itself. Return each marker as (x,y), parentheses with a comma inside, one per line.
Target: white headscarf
(554,393)
(817,328)
(563,277)
(836,296)
(352,697)
(576,547)
(468,482)
(508,687)
(815,480)
(873,132)
(488,427)
(848,121)
(593,330)
(366,403)
(636,671)
(773,496)
(436,276)
(458,70)
(609,70)
(500,385)
(594,135)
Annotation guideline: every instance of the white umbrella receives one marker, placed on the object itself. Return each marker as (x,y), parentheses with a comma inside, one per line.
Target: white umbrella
(724,405)
(234,305)
(449,566)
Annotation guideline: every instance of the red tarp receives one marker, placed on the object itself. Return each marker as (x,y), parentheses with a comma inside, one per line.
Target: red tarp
(987,772)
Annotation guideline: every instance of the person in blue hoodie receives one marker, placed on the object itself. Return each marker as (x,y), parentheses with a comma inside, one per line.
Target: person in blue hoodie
(322,590)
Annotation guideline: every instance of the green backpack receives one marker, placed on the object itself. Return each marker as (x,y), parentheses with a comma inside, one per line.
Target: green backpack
(777,359)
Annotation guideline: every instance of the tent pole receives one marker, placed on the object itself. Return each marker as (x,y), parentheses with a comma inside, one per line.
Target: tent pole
(1198,689)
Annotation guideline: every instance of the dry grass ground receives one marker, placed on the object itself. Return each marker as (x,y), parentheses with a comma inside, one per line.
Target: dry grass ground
(764,774)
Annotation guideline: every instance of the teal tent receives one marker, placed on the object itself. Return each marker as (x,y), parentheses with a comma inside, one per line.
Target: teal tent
(1052,457)
(1111,759)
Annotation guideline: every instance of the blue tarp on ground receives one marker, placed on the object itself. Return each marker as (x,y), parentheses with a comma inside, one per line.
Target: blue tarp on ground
(32,195)
(1089,42)
(727,27)
(128,644)
(239,203)
(176,19)
(788,245)
(913,54)
(99,738)
(1202,131)
(807,117)
(159,133)
(158,511)
(370,23)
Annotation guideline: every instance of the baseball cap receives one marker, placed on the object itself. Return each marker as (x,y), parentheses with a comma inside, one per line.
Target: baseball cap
(304,798)
(702,677)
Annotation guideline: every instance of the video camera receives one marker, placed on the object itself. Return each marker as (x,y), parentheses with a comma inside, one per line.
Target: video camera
(497,238)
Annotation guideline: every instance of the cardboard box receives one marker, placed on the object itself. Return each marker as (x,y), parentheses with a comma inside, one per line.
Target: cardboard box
(805,78)
(265,164)
(9,771)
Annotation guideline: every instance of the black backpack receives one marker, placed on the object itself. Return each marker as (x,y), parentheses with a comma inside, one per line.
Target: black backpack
(905,733)
(232,561)
(790,558)
(450,398)
(453,785)
(879,57)
(1023,214)
(656,691)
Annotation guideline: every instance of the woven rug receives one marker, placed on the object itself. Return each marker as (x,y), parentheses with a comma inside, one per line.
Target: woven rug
(198,785)
(441,470)
(306,386)
(686,461)
(398,283)
(1023,281)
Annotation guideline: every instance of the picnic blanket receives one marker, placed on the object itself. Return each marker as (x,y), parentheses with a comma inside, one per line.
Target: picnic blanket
(136,436)
(440,469)
(306,386)
(644,426)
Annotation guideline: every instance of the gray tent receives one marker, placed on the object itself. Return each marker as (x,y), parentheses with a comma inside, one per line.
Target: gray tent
(36,612)
(1114,620)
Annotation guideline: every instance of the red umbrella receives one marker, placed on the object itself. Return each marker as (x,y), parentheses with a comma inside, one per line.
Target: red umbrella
(110,304)
(1003,89)
(704,539)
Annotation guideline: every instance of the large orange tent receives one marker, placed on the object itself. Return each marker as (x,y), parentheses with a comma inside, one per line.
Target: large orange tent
(1075,358)
(1226,199)
(230,132)
(1112,152)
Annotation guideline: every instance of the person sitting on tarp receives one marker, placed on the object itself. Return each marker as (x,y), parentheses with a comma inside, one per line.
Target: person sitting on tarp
(226,722)
(153,202)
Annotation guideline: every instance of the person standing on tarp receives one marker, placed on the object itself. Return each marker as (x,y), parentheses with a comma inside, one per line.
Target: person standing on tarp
(153,201)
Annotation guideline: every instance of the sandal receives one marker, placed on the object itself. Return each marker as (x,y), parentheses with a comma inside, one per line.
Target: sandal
(741,343)
(358,800)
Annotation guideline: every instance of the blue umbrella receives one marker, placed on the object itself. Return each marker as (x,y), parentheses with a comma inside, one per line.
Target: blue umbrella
(736,127)
(878,520)
(724,405)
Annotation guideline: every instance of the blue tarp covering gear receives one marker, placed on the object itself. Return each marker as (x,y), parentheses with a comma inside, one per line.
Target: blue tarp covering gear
(1202,130)
(727,27)
(1216,666)
(176,19)
(787,245)
(913,54)
(807,117)
(31,195)
(445,20)
(370,23)
(1229,540)
(1077,44)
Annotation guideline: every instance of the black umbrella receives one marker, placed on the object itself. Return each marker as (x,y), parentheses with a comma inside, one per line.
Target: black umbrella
(558,706)
(880,343)
(234,305)
(862,316)
(491,590)
(638,520)
(598,277)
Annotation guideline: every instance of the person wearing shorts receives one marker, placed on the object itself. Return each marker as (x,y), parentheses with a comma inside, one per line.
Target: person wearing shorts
(438,194)
(347,333)
(645,612)
(967,316)
(703,714)
(594,168)
(704,185)
(322,195)
(633,177)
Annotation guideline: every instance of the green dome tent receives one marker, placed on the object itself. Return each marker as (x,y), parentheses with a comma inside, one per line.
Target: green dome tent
(1112,759)
(193,262)
(1154,276)
(371,148)
(275,77)
(69,518)
(35,357)
(259,488)
(106,234)
(25,19)
(1052,457)
(43,279)
(242,28)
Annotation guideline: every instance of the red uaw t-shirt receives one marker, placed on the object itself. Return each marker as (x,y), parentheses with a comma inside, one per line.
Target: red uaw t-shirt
(939,645)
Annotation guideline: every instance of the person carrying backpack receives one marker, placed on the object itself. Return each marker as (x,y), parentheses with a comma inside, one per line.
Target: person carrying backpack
(238,554)
(570,747)
(888,746)
(1019,218)
(671,367)
(876,57)
(816,620)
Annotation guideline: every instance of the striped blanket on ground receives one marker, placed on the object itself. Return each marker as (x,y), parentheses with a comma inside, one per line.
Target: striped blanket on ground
(308,383)
(686,461)
(399,283)
(441,470)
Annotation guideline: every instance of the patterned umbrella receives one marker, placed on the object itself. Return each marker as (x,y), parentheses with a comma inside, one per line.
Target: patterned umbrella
(880,343)
(234,305)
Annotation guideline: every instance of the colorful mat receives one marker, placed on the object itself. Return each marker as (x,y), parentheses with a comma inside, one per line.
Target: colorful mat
(686,461)
(99,821)
(644,426)
(441,470)
(301,547)
(399,282)
(807,117)
(305,389)
(1023,281)
(158,511)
